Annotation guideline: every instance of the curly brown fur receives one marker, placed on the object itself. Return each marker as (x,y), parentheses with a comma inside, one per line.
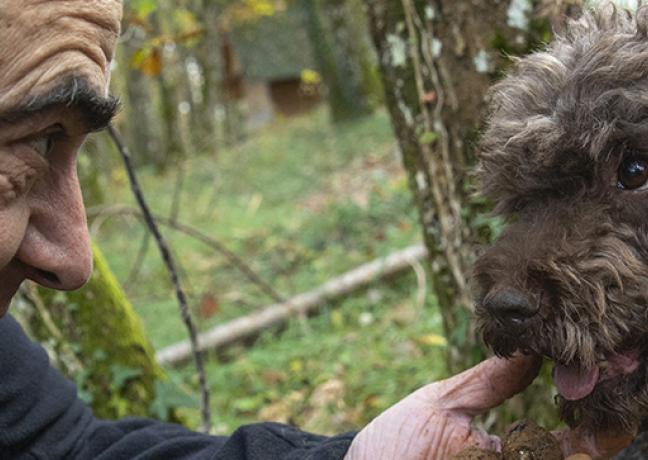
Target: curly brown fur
(576,245)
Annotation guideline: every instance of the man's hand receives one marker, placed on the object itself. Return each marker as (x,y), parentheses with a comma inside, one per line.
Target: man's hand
(435,421)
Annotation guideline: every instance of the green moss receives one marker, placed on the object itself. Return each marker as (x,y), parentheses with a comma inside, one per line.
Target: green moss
(98,324)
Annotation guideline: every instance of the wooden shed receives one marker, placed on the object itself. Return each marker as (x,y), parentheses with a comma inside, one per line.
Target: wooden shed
(264,61)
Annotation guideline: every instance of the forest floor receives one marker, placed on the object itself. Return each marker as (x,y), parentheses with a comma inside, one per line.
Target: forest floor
(301,202)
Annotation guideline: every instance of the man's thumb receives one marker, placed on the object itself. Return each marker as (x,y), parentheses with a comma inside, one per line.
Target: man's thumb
(488,384)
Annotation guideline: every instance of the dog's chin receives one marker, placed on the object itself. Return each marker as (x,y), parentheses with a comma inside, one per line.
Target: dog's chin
(610,398)
(576,381)
(610,395)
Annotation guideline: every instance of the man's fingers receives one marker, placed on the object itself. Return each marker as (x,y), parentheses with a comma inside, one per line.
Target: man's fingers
(479,438)
(598,446)
(486,385)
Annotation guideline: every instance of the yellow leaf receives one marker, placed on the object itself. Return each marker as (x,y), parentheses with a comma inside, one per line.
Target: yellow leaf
(434,340)
(373,401)
(152,64)
(251,10)
(296,366)
(310,77)
(119,177)
(185,20)
(262,7)
(337,319)
(147,60)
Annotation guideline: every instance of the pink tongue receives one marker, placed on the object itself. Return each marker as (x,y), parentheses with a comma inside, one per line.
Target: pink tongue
(574,383)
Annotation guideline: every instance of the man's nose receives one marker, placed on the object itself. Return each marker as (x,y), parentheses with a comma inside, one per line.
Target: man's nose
(56,247)
(510,307)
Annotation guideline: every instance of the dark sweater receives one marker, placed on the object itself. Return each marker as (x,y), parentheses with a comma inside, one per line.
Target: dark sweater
(41,417)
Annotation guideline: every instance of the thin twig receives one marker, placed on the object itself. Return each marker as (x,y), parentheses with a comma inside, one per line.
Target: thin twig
(196,234)
(168,260)
(421,284)
(233,258)
(139,261)
(177,190)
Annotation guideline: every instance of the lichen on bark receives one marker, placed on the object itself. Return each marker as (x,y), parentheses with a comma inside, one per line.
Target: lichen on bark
(437,62)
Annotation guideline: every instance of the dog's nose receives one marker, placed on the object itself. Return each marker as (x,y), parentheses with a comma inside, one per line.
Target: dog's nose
(510,307)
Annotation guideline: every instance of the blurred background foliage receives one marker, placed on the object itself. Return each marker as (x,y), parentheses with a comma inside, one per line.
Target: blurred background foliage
(307,138)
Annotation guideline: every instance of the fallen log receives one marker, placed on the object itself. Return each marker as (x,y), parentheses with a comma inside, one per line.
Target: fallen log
(275,314)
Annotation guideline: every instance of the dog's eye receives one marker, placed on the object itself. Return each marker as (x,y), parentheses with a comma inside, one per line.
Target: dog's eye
(633,173)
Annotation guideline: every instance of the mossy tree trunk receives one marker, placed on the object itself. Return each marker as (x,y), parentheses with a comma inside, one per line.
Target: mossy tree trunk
(366,60)
(168,81)
(96,338)
(138,113)
(208,58)
(437,60)
(337,57)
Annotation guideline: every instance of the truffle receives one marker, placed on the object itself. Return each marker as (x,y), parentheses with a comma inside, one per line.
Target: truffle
(525,440)
(473,453)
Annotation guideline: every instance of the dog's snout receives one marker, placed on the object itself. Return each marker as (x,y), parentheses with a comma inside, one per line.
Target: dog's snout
(510,307)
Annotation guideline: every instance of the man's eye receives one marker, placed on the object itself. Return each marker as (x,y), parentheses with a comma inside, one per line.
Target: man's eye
(42,144)
(633,173)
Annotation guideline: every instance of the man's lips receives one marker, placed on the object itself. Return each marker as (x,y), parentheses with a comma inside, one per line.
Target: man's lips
(574,382)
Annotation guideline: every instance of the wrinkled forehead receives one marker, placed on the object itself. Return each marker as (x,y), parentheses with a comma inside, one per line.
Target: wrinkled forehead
(44,42)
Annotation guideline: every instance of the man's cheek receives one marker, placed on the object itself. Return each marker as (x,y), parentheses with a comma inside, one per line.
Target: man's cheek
(13,224)
(14,211)
(14,184)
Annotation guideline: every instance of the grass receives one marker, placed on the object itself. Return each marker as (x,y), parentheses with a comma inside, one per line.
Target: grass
(335,372)
(301,202)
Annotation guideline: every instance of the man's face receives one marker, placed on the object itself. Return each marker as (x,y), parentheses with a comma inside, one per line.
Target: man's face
(54,73)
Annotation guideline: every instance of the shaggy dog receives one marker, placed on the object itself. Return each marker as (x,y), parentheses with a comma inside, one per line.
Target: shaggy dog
(564,158)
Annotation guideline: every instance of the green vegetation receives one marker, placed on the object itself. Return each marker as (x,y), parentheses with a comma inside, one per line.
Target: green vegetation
(337,371)
(99,341)
(301,202)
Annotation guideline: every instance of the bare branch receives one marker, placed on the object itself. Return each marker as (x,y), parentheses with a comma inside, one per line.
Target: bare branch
(168,260)
(302,304)
(139,261)
(196,234)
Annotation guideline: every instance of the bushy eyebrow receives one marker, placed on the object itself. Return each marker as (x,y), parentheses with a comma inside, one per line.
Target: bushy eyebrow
(96,110)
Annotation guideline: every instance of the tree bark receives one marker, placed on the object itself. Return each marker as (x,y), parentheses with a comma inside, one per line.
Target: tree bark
(208,58)
(337,59)
(437,60)
(168,81)
(137,115)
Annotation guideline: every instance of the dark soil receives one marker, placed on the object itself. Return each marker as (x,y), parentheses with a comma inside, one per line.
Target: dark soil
(474,453)
(524,440)
(477,454)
